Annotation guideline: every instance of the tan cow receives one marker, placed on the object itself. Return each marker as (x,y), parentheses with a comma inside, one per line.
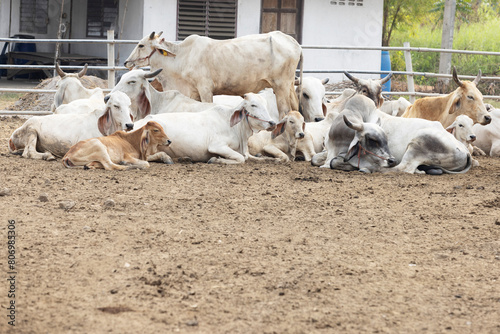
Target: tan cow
(200,67)
(121,150)
(465,100)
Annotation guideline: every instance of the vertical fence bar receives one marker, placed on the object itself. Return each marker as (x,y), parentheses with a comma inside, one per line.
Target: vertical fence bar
(409,68)
(111,59)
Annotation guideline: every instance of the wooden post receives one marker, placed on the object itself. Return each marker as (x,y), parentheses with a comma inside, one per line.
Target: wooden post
(111,59)
(447,42)
(409,77)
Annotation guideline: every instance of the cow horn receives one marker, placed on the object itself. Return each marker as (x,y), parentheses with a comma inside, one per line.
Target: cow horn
(476,80)
(152,35)
(455,77)
(59,71)
(159,34)
(82,72)
(385,79)
(153,74)
(355,126)
(352,78)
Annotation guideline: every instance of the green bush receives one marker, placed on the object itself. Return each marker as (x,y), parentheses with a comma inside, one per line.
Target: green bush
(479,36)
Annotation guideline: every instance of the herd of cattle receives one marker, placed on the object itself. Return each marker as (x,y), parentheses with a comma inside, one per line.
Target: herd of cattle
(236,100)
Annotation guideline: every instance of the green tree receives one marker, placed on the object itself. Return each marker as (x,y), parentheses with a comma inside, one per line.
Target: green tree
(400,13)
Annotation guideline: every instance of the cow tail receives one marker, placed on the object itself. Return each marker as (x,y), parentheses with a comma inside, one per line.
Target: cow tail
(464,170)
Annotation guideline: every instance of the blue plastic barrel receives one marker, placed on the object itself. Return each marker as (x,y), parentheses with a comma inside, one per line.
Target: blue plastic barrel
(385,65)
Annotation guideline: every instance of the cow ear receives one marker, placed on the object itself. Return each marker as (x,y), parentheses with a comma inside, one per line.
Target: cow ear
(455,104)
(325,110)
(353,148)
(143,104)
(165,52)
(280,128)
(104,123)
(236,117)
(303,126)
(451,128)
(145,139)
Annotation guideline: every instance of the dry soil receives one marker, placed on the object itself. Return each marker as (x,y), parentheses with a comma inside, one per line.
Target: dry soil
(255,248)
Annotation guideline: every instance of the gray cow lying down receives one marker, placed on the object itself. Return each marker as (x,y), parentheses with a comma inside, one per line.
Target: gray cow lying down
(418,145)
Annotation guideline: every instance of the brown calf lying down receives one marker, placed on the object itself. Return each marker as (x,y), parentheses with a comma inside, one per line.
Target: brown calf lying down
(121,150)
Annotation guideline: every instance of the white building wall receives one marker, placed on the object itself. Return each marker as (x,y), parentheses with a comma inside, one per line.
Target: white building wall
(248,19)
(326,24)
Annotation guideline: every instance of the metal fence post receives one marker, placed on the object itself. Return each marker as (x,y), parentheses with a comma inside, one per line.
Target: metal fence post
(111,59)
(409,68)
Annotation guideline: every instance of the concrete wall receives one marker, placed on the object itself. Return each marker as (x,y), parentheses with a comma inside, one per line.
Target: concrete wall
(323,24)
(343,26)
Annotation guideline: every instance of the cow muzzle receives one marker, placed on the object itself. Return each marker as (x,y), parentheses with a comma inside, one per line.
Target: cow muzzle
(129,126)
(486,120)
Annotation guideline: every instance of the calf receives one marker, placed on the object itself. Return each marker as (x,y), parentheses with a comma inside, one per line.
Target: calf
(488,136)
(121,150)
(54,135)
(281,143)
(463,132)
(396,107)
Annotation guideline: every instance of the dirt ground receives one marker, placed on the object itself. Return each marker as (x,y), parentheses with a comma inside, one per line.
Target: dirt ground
(256,248)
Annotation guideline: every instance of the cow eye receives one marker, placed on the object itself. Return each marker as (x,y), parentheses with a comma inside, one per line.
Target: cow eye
(254,106)
(141,45)
(156,130)
(116,106)
(364,91)
(131,82)
(306,96)
(460,125)
(470,97)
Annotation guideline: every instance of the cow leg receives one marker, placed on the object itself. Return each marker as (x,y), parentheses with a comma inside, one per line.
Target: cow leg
(227,155)
(282,101)
(30,148)
(132,162)
(161,156)
(319,159)
(206,95)
(276,152)
(495,150)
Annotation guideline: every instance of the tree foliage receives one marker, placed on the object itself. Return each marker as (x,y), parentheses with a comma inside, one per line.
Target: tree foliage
(402,14)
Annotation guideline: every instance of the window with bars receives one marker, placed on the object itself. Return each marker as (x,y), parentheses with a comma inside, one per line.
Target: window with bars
(283,15)
(211,18)
(102,15)
(34,16)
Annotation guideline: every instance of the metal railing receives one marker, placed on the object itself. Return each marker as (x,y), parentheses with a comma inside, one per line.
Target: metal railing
(111,67)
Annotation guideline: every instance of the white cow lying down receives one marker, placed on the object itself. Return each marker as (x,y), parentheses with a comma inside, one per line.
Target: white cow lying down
(462,129)
(488,136)
(216,135)
(418,145)
(83,106)
(53,135)
(147,100)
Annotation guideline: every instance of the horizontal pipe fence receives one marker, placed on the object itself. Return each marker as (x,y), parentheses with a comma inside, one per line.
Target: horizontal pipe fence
(111,67)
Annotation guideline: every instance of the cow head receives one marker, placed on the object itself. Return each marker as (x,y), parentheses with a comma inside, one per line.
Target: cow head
(468,100)
(292,124)
(254,109)
(116,114)
(68,86)
(137,87)
(369,150)
(461,128)
(370,88)
(312,102)
(152,136)
(143,51)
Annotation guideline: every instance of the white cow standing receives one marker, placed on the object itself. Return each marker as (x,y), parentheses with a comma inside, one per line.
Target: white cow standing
(51,136)
(201,67)
(217,135)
